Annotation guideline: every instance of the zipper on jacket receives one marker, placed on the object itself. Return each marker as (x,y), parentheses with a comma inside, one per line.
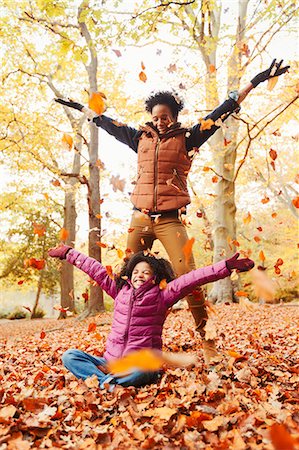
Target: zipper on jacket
(132,298)
(156,174)
(183,188)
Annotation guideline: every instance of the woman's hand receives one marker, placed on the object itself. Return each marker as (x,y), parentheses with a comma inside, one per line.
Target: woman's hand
(60,251)
(89,113)
(242,265)
(274,71)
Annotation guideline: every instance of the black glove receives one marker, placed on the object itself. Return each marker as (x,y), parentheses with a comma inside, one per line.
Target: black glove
(70,104)
(269,73)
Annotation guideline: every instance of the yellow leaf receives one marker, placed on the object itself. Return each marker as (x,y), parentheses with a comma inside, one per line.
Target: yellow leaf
(96,102)
(67,141)
(120,253)
(247,219)
(206,124)
(163,284)
(272,83)
(262,256)
(63,234)
(145,359)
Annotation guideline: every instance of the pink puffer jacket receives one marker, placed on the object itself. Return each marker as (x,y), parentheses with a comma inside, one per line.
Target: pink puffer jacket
(139,314)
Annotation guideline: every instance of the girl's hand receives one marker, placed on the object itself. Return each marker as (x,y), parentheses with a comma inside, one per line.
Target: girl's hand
(60,251)
(242,265)
(274,71)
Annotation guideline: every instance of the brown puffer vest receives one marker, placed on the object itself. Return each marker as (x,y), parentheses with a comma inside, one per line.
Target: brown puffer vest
(163,166)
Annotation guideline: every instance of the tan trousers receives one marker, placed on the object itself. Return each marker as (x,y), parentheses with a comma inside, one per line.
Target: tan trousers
(173,236)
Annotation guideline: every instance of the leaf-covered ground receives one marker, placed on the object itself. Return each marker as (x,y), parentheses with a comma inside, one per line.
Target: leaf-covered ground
(251,402)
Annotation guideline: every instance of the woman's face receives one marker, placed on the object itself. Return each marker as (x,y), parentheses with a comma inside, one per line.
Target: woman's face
(141,273)
(162,118)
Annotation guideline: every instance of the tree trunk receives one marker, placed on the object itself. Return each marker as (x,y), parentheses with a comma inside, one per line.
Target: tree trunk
(225,206)
(67,294)
(38,293)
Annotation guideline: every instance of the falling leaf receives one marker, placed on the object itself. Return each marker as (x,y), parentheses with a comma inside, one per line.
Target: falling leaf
(85,295)
(241,294)
(130,230)
(117,183)
(272,164)
(109,272)
(163,284)
(96,102)
(214,179)
(274,215)
(262,256)
(142,76)
(244,49)
(279,262)
(92,327)
(206,124)
(257,239)
(42,335)
(63,234)
(281,438)
(39,229)
(20,282)
(295,202)
(247,219)
(99,216)
(38,264)
(212,68)
(272,83)
(297,178)
(67,140)
(206,169)
(265,200)
(56,183)
(187,249)
(117,52)
(99,164)
(120,253)
(273,154)
(101,244)
(146,359)
(142,65)
(259,229)
(171,68)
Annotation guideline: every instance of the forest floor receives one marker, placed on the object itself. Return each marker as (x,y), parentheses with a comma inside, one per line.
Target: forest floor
(249,402)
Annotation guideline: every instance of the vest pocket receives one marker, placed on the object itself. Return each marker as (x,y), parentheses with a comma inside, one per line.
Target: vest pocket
(178,181)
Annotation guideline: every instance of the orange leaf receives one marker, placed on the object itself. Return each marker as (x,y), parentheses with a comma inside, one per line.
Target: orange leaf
(38,264)
(163,284)
(262,256)
(274,215)
(206,169)
(109,272)
(142,76)
(297,178)
(130,230)
(85,295)
(247,219)
(279,262)
(214,179)
(295,202)
(212,68)
(281,438)
(63,234)
(272,83)
(142,66)
(241,294)
(273,154)
(120,253)
(99,164)
(146,360)
(196,418)
(257,239)
(42,335)
(67,141)
(91,327)
(39,229)
(259,229)
(56,183)
(187,249)
(96,102)
(101,244)
(99,216)
(206,124)
(265,200)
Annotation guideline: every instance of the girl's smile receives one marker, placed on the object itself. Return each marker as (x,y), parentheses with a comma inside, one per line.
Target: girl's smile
(141,273)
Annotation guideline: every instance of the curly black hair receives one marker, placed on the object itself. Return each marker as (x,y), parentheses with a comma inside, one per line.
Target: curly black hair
(174,103)
(162,268)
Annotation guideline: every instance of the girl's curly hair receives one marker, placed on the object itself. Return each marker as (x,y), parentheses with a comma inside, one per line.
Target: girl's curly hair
(174,103)
(162,268)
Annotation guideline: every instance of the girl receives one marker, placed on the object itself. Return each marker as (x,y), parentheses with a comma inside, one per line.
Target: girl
(140,309)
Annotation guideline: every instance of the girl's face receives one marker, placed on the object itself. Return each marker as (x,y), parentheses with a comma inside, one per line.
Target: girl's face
(162,118)
(141,273)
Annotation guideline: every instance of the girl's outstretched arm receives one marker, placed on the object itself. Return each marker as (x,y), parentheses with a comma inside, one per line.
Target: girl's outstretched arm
(185,284)
(91,266)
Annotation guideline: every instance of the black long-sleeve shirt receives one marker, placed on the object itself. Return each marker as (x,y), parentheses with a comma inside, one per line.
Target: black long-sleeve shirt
(195,138)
